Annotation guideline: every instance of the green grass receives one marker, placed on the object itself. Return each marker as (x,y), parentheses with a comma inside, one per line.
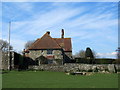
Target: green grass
(46,79)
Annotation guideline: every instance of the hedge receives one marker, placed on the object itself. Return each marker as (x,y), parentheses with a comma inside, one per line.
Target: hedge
(95,61)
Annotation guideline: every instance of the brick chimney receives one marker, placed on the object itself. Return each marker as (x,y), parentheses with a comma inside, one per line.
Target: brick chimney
(62,36)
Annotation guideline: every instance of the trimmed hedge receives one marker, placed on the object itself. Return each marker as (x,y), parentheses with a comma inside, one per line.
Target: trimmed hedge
(95,61)
(104,61)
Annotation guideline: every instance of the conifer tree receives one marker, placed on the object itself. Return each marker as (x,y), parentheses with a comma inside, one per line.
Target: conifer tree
(89,53)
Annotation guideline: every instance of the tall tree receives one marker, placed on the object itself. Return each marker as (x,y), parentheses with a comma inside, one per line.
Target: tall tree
(4,45)
(29,43)
(89,54)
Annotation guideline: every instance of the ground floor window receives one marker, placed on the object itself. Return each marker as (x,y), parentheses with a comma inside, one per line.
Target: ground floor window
(49,51)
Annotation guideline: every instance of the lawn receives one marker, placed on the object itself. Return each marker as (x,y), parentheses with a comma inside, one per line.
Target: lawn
(46,79)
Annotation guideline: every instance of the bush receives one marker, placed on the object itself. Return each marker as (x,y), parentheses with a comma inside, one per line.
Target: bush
(104,61)
(85,61)
(117,61)
(97,61)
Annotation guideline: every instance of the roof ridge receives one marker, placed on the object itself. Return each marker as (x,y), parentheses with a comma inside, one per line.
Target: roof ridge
(44,35)
(55,41)
(40,40)
(61,38)
(58,43)
(37,40)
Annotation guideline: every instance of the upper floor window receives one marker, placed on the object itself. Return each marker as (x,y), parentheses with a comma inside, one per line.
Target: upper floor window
(49,51)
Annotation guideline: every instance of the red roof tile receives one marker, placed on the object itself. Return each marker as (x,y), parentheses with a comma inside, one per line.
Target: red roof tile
(65,43)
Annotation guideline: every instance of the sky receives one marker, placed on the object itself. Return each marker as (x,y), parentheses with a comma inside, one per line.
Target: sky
(89,24)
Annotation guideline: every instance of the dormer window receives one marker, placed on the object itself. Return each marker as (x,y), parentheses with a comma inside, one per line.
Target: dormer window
(49,51)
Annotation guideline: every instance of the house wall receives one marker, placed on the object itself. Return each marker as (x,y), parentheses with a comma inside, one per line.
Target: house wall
(36,53)
(58,54)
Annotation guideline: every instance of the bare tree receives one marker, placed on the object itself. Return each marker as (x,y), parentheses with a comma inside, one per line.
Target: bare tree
(81,54)
(5,58)
(95,54)
(4,45)
(29,43)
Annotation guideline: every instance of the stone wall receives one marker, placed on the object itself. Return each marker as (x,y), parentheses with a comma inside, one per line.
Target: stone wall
(4,60)
(78,67)
(36,53)
(92,67)
(58,54)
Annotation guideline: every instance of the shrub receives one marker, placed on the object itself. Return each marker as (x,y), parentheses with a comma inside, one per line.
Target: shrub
(104,61)
(117,61)
(97,61)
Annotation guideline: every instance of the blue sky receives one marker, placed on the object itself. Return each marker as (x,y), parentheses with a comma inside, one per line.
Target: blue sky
(89,24)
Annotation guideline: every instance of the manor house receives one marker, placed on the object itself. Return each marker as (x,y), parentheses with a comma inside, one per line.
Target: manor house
(51,48)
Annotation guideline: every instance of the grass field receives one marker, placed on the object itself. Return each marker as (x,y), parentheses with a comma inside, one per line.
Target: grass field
(46,79)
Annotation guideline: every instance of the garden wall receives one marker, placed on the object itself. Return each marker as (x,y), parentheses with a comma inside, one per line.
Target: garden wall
(14,62)
(68,67)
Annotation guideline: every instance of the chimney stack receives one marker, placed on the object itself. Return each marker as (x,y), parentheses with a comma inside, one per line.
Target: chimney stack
(48,32)
(62,36)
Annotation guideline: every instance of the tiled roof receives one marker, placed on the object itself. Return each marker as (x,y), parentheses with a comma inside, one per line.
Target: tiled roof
(47,42)
(65,43)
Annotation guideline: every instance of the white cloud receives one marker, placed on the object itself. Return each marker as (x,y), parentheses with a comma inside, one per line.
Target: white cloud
(19,24)
(109,55)
(18,45)
(25,6)
(45,21)
(96,21)
(10,11)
